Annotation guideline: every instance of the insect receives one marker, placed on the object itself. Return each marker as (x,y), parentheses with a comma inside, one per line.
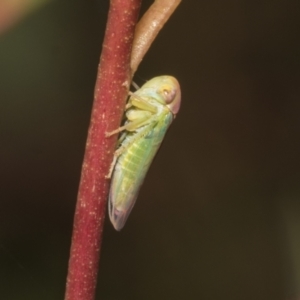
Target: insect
(149,113)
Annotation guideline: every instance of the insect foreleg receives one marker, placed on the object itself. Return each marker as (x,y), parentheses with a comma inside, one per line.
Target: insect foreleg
(134,114)
(141,103)
(136,120)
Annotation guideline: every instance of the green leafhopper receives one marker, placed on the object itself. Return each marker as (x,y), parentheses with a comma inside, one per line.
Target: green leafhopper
(149,113)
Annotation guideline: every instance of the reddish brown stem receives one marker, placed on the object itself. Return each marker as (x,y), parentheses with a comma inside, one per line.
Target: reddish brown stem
(110,94)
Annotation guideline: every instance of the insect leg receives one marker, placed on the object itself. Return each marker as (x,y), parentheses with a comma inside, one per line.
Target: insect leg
(141,103)
(143,132)
(138,119)
(111,168)
(123,148)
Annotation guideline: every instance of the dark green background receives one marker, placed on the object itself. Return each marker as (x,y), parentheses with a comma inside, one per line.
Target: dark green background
(219,215)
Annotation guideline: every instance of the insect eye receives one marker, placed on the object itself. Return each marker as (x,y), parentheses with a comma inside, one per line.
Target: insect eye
(169,95)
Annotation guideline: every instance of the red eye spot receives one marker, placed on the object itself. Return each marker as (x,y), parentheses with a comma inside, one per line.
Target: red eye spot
(169,95)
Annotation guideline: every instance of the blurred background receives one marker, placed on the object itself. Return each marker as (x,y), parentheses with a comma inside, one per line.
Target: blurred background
(219,214)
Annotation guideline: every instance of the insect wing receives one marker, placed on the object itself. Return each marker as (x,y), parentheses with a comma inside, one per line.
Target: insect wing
(119,217)
(119,212)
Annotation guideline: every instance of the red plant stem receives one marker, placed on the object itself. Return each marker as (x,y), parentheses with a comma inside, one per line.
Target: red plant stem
(110,95)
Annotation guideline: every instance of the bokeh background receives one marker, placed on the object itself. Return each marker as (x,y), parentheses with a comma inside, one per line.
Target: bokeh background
(219,214)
